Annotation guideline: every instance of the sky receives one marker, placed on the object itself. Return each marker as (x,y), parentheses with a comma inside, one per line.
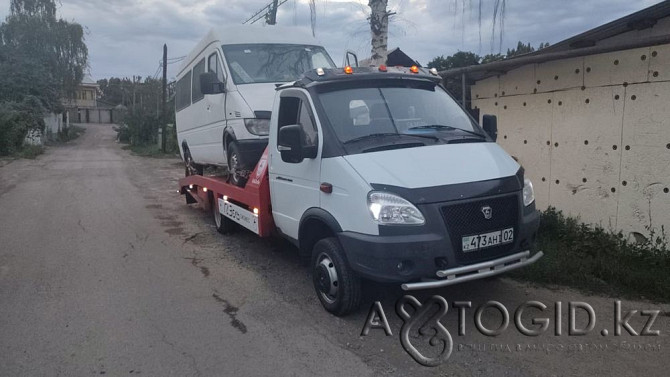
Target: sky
(126,37)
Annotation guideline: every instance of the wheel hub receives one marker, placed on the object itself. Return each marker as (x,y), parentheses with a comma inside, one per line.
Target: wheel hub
(327,279)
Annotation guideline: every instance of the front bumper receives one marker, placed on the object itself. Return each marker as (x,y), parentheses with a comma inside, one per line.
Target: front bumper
(425,257)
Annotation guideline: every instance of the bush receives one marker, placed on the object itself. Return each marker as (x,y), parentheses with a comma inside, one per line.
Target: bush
(16,119)
(598,260)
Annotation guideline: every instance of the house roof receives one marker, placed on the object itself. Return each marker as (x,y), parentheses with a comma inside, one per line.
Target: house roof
(593,41)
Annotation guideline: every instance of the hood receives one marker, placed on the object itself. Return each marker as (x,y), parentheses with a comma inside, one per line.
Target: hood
(259,97)
(434,165)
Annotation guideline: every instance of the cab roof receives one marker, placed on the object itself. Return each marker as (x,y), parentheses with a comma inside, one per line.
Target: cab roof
(331,75)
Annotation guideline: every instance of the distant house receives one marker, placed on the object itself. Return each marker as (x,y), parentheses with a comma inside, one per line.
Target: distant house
(85,107)
(395,57)
(589,120)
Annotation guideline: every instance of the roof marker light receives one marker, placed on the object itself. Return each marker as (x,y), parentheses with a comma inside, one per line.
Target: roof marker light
(414,69)
(433,71)
(320,71)
(382,68)
(348,70)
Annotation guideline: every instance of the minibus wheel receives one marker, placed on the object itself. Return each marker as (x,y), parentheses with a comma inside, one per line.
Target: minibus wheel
(190,167)
(236,166)
(337,285)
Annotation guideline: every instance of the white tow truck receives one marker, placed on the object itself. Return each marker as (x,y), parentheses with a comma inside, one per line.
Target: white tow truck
(377,173)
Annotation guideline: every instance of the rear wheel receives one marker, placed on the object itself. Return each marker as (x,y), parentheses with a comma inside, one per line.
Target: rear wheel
(238,169)
(223,224)
(336,284)
(190,167)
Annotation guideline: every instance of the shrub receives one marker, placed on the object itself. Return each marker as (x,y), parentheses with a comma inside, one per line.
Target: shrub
(16,119)
(594,259)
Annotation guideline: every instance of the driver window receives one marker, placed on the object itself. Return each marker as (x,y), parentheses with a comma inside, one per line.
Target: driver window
(295,111)
(214,66)
(308,127)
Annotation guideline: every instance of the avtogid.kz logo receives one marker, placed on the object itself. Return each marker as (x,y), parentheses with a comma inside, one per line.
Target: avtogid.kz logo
(424,318)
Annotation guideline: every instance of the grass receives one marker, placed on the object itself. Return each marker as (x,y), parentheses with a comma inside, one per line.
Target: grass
(30,151)
(70,133)
(595,260)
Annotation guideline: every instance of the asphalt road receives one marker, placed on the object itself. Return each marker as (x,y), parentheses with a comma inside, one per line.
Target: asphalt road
(105,270)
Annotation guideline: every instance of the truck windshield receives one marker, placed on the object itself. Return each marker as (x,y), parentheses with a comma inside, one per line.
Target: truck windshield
(259,63)
(426,110)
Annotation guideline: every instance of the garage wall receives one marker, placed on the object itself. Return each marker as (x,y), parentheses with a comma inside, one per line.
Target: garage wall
(593,133)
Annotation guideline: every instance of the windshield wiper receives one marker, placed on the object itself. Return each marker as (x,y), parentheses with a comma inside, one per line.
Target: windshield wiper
(389,134)
(442,127)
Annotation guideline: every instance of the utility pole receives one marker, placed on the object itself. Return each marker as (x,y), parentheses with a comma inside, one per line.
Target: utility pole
(164,93)
(271,17)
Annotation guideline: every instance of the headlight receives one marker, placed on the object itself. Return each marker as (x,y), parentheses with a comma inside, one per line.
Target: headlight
(389,209)
(528,193)
(258,126)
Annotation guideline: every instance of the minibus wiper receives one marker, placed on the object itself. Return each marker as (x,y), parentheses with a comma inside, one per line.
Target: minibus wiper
(441,126)
(389,134)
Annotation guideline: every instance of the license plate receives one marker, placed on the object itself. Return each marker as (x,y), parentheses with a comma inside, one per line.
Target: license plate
(486,240)
(240,215)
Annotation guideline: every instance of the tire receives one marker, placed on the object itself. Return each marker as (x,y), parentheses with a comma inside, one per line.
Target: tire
(236,166)
(337,285)
(223,224)
(190,167)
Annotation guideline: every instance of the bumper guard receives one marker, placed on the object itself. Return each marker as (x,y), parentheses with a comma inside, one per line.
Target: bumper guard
(476,271)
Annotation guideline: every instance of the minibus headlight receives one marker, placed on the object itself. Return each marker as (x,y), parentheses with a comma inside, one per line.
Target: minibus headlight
(528,192)
(390,209)
(257,126)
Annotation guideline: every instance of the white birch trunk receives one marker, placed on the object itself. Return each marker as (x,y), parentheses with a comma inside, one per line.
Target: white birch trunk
(379,27)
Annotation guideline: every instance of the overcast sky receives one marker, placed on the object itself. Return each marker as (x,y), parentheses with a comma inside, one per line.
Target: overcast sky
(125,37)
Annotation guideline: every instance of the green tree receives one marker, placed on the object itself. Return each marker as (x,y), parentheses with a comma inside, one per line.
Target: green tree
(35,36)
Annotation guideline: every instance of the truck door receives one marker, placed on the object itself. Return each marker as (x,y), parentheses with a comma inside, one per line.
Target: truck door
(294,186)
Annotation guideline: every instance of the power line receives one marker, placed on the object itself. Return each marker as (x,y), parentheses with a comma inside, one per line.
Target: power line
(269,12)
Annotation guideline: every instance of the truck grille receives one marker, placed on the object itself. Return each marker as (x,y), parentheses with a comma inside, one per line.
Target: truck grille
(465,219)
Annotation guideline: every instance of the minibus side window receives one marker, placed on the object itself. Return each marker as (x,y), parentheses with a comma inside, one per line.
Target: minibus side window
(213,66)
(197,71)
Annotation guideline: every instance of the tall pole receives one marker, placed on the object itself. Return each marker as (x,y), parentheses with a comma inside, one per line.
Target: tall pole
(272,14)
(164,116)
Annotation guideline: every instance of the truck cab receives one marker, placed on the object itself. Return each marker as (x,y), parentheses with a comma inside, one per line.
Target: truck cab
(377,173)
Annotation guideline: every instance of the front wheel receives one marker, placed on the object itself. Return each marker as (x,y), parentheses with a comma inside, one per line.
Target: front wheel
(238,171)
(336,284)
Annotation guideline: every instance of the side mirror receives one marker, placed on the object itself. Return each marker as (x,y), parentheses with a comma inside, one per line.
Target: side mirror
(289,143)
(210,84)
(490,125)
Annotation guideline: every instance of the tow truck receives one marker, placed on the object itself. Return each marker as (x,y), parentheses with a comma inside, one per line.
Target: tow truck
(377,173)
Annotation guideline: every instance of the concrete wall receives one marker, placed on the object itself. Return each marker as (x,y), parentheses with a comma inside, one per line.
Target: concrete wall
(593,133)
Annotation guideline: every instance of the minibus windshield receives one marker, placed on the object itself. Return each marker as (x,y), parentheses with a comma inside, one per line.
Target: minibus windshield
(262,63)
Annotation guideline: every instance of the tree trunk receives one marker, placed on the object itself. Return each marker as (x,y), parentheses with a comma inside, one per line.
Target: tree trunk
(379,26)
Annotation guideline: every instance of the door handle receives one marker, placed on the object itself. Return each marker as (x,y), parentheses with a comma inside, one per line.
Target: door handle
(284,179)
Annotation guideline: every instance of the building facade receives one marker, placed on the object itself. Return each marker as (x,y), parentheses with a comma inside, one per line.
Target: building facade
(592,131)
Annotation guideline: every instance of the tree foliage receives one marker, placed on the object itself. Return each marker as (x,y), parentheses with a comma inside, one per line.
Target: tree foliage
(42,60)
(465,58)
(37,37)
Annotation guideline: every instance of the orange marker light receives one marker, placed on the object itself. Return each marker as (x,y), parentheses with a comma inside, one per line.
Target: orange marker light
(348,70)
(382,68)
(414,69)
